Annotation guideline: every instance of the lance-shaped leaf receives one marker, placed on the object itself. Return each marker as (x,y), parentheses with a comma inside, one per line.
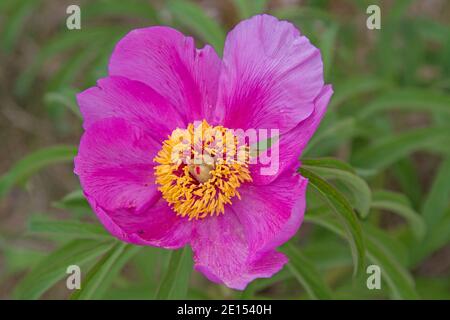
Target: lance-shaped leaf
(334,169)
(103,273)
(397,277)
(307,274)
(69,228)
(342,208)
(53,267)
(175,281)
(388,150)
(408,100)
(34,162)
(193,17)
(399,204)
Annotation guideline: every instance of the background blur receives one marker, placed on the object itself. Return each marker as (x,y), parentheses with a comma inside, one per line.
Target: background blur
(388,122)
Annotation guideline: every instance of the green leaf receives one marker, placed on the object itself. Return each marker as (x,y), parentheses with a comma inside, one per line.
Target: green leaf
(342,208)
(53,267)
(74,201)
(103,273)
(407,177)
(397,277)
(390,242)
(327,47)
(15,23)
(327,255)
(192,16)
(433,240)
(328,163)
(338,131)
(436,214)
(247,8)
(6,6)
(353,87)
(399,9)
(60,43)
(131,8)
(306,274)
(438,197)
(398,203)
(330,168)
(300,13)
(263,283)
(433,29)
(436,288)
(25,167)
(407,99)
(17,259)
(69,228)
(73,69)
(66,98)
(175,281)
(386,151)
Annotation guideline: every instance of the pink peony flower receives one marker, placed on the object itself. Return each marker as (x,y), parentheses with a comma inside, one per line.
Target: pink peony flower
(139,123)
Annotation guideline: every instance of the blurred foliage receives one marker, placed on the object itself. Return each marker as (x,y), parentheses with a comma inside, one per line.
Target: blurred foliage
(386,201)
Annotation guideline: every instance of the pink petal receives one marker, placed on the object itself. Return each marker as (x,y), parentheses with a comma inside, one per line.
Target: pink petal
(168,62)
(271,214)
(291,144)
(156,226)
(222,252)
(270,77)
(115,165)
(239,246)
(131,100)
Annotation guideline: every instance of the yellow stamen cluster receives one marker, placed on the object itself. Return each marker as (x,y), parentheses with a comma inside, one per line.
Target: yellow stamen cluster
(200,169)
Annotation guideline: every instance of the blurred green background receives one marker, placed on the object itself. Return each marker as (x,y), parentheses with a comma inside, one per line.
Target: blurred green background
(383,198)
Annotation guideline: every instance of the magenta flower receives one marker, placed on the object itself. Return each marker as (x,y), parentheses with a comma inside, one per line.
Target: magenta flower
(139,121)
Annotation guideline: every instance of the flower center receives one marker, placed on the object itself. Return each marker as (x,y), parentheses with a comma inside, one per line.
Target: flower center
(201,172)
(200,169)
